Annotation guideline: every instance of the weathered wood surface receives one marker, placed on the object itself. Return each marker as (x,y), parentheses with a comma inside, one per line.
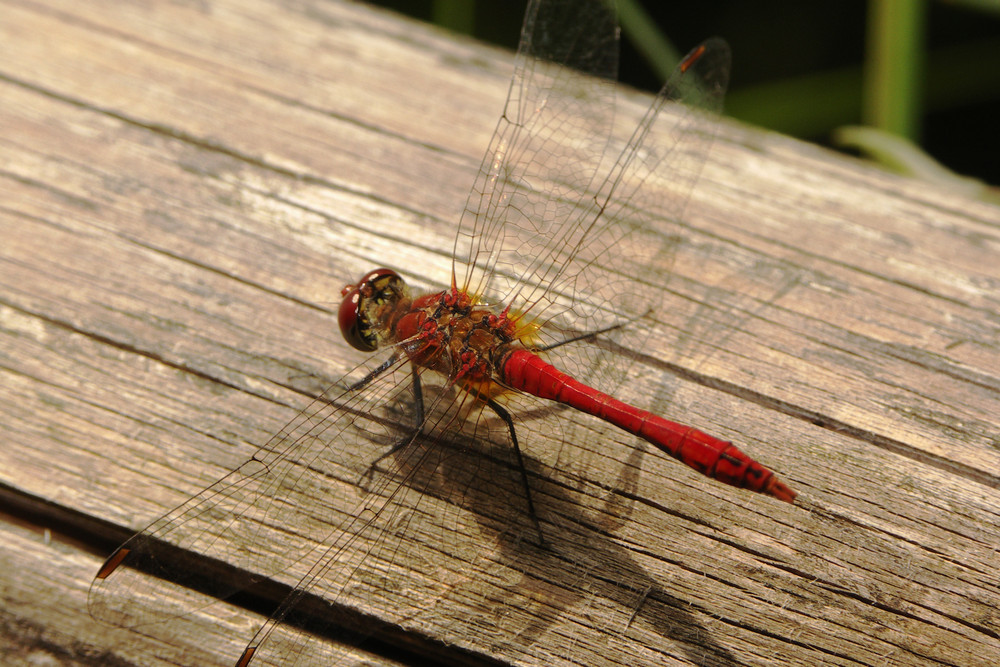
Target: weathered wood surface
(186,187)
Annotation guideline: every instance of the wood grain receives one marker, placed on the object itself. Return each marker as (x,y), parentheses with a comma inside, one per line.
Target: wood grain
(186,188)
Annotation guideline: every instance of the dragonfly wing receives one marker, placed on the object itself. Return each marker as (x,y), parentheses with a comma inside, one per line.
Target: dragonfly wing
(572,223)
(627,239)
(420,553)
(266,516)
(350,506)
(538,162)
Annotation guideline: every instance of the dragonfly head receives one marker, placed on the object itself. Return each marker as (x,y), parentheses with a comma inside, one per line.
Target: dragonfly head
(366,307)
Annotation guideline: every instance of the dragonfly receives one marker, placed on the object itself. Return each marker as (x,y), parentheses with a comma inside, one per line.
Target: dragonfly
(557,263)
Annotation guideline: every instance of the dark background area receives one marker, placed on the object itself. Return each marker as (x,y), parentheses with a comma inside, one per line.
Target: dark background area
(797,66)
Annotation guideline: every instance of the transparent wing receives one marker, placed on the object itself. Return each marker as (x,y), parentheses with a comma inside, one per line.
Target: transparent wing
(570,222)
(348,503)
(273,505)
(558,116)
(435,540)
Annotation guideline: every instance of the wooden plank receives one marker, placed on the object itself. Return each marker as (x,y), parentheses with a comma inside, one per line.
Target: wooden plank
(186,190)
(43,622)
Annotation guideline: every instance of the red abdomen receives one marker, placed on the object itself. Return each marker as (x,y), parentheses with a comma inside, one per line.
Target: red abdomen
(708,455)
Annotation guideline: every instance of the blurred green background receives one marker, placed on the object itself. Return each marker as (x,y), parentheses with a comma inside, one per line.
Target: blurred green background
(924,70)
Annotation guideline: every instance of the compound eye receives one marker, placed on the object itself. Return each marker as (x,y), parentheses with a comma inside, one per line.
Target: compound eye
(354,319)
(350,320)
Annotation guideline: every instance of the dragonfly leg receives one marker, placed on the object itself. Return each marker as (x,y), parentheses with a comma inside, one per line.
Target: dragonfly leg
(418,398)
(502,413)
(592,334)
(363,382)
(418,406)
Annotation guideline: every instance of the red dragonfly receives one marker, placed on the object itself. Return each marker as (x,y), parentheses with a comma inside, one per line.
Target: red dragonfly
(552,289)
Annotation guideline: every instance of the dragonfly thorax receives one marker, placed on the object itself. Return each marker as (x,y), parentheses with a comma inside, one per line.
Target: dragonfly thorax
(444,331)
(447,332)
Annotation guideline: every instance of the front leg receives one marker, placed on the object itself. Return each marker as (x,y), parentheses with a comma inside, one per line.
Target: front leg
(418,407)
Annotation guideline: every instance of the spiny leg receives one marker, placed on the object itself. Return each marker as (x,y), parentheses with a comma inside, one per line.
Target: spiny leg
(418,405)
(360,384)
(589,334)
(374,373)
(502,413)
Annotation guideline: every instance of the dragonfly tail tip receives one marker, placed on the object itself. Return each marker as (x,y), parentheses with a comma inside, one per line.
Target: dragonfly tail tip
(780,490)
